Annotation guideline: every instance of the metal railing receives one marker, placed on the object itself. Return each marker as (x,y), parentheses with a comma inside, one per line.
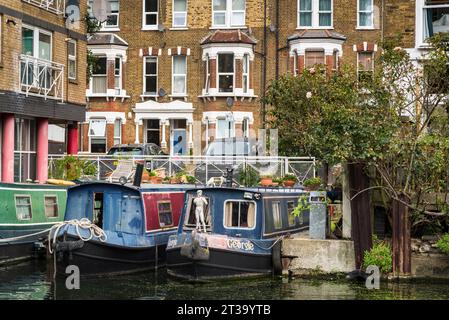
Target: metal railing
(55,6)
(203,168)
(41,77)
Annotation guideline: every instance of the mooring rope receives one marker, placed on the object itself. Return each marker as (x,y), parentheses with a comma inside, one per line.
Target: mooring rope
(6,240)
(270,247)
(94,231)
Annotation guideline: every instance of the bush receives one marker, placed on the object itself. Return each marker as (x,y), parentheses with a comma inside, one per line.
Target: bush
(72,168)
(312,182)
(380,255)
(443,243)
(248,177)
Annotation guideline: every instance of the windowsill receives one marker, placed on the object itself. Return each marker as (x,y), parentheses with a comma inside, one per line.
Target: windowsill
(178,97)
(366,28)
(149,96)
(150,28)
(107,96)
(178,28)
(111,29)
(315,28)
(73,81)
(226,27)
(228,95)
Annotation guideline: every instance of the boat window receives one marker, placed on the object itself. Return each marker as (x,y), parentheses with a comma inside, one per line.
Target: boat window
(98,210)
(240,214)
(277,221)
(165,214)
(291,217)
(23,207)
(51,206)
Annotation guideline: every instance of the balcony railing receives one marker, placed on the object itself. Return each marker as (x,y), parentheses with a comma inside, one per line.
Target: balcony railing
(41,77)
(55,6)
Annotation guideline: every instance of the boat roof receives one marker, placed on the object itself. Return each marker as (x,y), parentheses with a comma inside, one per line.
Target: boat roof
(262,190)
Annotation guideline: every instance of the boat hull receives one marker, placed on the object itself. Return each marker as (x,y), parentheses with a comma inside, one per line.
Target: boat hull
(97,258)
(220,264)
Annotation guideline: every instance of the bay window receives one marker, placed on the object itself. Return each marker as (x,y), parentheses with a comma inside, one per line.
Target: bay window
(435,17)
(99,76)
(150,14)
(226,72)
(179,13)
(179,76)
(314,57)
(228,13)
(315,13)
(365,14)
(150,76)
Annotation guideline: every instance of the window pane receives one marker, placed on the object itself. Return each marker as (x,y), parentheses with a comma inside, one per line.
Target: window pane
(238,4)
(179,65)
(325,19)
(238,19)
(151,19)
(180,5)
(305,5)
(100,66)
(305,19)
(72,69)
(219,19)
(179,19)
(219,4)
(112,20)
(151,82)
(44,46)
(314,57)
(117,127)
(365,61)
(98,145)
(436,20)
(226,83)
(226,63)
(51,207)
(115,4)
(27,41)
(117,66)
(365,5)
(325,5)
(151,5)
(245,63)
(72,48)
(97,128)
(365,19)
(179,84)
(277,222)
(151,66)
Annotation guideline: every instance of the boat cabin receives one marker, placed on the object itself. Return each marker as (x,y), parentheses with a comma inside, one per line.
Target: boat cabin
(247,213)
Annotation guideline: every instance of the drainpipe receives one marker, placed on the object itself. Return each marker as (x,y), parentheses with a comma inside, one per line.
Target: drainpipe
(277,39)
(264,68)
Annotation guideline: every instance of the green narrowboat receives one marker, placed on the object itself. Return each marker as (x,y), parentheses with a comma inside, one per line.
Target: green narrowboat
(27,212)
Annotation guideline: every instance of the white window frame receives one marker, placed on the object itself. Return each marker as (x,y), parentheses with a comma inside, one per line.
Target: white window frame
(372,16)
(56,204)
(98,137)
(144,17)
(228,16)
(118,122)
(118,89)
(91,83)
(245,61)
(315,16)
(155,94)
(240,228)
(181,94)
(175,26)
(423,11)
(72,58)
(225,73)
(207,84)
(30,206)
(36,32)
(104,26)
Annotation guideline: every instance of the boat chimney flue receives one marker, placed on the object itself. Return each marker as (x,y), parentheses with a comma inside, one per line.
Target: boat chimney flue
(138,176)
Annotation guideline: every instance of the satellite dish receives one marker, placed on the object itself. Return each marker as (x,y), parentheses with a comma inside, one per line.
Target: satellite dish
(161,28)
(101,9)
(230,102)
(162,92)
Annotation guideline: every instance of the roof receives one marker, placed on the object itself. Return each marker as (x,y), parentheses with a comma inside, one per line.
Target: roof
(317,34)
(228,36)
(106,39)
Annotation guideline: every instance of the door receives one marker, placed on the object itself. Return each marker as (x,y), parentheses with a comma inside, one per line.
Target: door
(178,137)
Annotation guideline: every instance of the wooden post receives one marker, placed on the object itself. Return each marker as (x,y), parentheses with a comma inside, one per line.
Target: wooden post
(346,202)
(401,242)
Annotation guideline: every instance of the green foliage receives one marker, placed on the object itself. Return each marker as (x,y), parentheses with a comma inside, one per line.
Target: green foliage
(380,255)
(290,177)
(191,179)
(248,177)
(443,243)
(312,182)
(303,205)
(72,168)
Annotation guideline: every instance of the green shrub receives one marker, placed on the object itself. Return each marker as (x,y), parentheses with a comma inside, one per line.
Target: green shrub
(290,177)
(72,168)
(443,243)
(312,182)
(381,256)
(248,177)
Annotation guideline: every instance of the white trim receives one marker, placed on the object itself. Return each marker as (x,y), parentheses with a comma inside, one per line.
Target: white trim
(72,58)
(144,93)
(370,27)
(315,12)
(163,111)
(239,228)
(109,116)
(228,13)
(184,26)
(328,45)
(150,27)
(211,116)
(179,94)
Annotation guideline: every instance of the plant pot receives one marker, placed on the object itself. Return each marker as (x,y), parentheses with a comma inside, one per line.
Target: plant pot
(289,183)
(145,176)
(154,180)
(174,181)
(312,188)
(266,182)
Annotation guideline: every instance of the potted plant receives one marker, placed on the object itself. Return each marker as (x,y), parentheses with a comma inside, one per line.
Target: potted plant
(289,180)
(154,178)
(266,180)
(312,184)
(190,179)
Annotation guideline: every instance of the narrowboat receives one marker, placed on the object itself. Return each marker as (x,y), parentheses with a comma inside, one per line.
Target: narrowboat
(130,227)
(27,212)
(241,234)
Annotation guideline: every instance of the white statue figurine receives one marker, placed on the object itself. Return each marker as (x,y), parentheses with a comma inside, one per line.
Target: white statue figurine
(200,207)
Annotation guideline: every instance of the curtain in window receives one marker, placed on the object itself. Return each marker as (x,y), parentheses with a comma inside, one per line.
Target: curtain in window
(238,13)
(305,15)
(325,13)
(365,14)
(314,57)
(179,74)
(179,13)
(219,12)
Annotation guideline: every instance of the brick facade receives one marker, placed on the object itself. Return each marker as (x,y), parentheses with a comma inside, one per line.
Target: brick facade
(337,42)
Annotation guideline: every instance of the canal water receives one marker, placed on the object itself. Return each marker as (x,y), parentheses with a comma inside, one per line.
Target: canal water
(33,280)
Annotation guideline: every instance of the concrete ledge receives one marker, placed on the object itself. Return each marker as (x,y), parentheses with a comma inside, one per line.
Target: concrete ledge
(320,256)
(430,265)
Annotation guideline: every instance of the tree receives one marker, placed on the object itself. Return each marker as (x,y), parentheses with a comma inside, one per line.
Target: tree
(394,124)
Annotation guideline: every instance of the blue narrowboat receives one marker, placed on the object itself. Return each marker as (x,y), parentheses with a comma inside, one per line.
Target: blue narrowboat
(241,232)
(117,229)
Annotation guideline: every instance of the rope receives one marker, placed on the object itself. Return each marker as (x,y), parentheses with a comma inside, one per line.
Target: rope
(85,224)
(270,247)
(6,240)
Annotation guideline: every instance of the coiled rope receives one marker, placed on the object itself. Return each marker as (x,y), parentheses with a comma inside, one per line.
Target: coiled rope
(95,232)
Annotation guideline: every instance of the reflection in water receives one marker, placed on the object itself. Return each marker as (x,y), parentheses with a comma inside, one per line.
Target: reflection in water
(34,280)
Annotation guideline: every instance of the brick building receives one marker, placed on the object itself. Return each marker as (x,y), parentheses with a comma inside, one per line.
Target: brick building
(42,82)
(192,71)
